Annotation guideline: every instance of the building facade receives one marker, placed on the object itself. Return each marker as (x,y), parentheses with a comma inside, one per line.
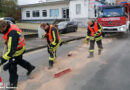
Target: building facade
(47,11)
(111,1)
(78,11)
(50,10)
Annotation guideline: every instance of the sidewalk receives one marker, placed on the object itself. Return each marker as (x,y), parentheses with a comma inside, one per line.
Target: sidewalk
(37,43)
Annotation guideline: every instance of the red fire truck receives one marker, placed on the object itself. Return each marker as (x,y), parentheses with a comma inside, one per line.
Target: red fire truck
(114,18)
(127,8)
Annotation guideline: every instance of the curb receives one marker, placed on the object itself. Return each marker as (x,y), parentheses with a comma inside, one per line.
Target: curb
(31,36)
(29,30)
(41,47)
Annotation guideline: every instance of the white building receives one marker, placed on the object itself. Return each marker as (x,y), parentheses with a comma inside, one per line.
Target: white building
(49,10)
(78,11)
(82,10)
(111,1)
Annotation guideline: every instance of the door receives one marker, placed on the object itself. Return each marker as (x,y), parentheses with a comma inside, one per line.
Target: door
(70,26)
(65,13)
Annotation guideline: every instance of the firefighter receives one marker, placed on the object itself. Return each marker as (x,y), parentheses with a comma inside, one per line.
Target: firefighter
(53,40)
(15,43)
(94,34)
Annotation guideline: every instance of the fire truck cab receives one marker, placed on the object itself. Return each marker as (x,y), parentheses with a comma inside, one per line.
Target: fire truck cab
(114,18)
(127,8)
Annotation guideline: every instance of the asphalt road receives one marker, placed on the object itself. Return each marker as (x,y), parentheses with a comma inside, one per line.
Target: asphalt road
(112,74)
(40,59)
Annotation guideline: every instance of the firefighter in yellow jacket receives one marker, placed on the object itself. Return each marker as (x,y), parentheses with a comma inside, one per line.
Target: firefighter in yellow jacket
(94,34)
(15,42)
(53,40)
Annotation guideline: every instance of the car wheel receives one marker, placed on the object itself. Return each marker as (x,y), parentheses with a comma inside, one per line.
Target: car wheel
(67,30)
(75,30)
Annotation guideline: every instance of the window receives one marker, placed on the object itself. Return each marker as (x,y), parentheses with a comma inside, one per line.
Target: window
(54,12)
(109,12)
(65,12)
(129,10)
(27,13)
(78,9)
(36,13)
(71,23)
(44,13)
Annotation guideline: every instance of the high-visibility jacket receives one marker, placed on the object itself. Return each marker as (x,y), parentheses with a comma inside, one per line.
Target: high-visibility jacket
(20,48)
(52,35)
(94,30)
(21,41)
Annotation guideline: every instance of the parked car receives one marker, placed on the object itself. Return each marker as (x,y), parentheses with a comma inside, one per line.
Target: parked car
(58,21)
(67,26)
(8,19)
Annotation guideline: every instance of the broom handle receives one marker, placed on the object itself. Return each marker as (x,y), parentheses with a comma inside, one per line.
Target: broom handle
(1,66)
(4,49)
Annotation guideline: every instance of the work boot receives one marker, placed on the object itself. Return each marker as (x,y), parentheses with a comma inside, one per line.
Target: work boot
(91,55)
(30,70)
(51,64)
(99,52)
(11,87)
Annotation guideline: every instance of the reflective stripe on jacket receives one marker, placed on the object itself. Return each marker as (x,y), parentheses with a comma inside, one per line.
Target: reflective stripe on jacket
(94,30)
(21,41)
(52,36)
(15,42)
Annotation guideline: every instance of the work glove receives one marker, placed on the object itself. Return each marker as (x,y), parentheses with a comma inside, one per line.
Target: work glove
(51,45)
(50,48)
(6,66)
(61,43)
(2,61)
(43,36)
(95,35)
(87,40)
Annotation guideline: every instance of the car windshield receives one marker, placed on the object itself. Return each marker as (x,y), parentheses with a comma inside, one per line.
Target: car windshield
(62,23)
(112,12)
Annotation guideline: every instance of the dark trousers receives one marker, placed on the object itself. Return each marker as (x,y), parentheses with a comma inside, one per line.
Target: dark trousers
(92,43)
(13,76)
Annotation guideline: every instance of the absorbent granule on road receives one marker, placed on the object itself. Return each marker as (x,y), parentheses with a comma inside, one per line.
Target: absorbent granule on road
(44,80)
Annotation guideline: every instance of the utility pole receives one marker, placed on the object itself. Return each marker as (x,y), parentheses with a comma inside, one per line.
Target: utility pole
(129,14)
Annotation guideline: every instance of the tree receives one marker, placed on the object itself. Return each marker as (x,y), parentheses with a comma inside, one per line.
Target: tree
(8,8)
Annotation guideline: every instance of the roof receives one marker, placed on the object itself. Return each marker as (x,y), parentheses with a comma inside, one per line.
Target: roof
(124,2)
(44,3)
(110,6)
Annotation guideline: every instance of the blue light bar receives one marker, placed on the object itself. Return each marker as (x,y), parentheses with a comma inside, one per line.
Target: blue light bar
(124,2)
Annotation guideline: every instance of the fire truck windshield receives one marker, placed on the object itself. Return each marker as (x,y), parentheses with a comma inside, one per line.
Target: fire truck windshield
(112,12)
